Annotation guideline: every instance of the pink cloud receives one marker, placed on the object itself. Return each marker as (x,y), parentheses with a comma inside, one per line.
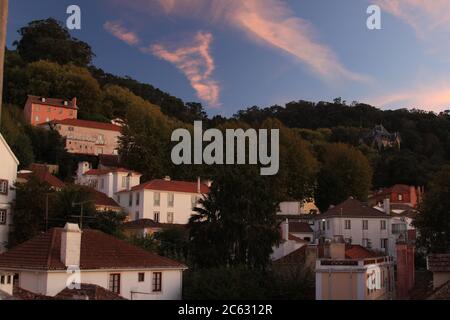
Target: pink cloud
(120,32)
(422,15)
(432,98)
(196,63)
(269,22)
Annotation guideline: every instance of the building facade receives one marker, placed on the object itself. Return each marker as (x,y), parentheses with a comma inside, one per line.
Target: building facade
(163,201)
(8,176)
(65,258)
(87,137)
(39,110)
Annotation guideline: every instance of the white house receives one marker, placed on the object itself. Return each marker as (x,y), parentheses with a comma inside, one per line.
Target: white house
(8,176)
(65,258)
(358,224)
(163,201)
(109,180)
(289,242)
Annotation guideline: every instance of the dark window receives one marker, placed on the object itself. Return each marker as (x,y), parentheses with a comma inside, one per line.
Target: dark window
(3,216)
(348,224)
(157,281)
(4,186)
(2,280)
(114,282)
(141,277)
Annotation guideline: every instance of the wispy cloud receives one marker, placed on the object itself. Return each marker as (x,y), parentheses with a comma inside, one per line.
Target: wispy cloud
(119,31)
(196,62)
(270,22)
(422,15)
(432,98)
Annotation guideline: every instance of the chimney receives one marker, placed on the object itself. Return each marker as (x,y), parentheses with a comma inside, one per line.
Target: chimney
(74,101)
(71,245)
(337,250)
(285,230)
(387,206)
(43,99)
(167,178)
(199,189)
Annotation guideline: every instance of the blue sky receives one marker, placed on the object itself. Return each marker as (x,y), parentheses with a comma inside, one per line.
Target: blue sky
(232,54)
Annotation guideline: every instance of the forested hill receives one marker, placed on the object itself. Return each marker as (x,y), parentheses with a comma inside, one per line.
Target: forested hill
(48,61)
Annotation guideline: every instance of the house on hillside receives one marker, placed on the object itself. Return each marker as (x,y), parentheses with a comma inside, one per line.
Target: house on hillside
(401,196)
(87,137)
(66,258)
(39,110)
(381,139)
(8,177)
(163,201)
(42,173)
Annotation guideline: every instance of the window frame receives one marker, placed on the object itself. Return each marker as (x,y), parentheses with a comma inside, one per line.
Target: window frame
(156,214)
(4,183)
(365,224)
(141,277)
(113,280)
(172,215)
(157,200)
(4,214)
(170,200)
(349,225)
(157,282)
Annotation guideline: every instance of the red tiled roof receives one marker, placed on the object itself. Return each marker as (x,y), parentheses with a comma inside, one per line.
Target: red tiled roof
(22,294)
(98,251)
(88,292)
(88,124)
(296,256)
(439,262)
(352,208)
(41,172)
(296,239)
(71,104)
(175,186)
(101,172)
(397,188)
(300,227)
(359,252)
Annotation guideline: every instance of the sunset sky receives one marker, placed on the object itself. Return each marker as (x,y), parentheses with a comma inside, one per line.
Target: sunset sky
(233,54)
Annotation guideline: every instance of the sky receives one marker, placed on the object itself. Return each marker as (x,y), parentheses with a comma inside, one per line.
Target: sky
(234,54)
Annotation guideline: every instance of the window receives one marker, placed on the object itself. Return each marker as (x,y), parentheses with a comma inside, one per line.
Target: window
(348,224)
(170,200)
(141,277)
(156,199)
(130,200)
(124,182)
(169,217)
(384,244)
(137,216)
(400,197)
(114,282)
(2,279)
(383,224)
(2,216)
(157,281)
(138,198)
(3,186)
(102,183)
(36,118)
(8,280)
(365,224)
(156,216)
(328,224)
(366,243)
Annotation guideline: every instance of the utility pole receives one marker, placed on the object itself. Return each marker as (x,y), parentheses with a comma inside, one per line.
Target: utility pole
(3,21)
(81,204)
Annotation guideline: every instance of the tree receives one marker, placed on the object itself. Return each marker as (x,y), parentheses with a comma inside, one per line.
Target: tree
(50,40)
(173,243)
(235,223)
(433,219)
(345,172)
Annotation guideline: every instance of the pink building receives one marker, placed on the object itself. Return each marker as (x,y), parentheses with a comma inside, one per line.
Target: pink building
(87,137)
(39,110)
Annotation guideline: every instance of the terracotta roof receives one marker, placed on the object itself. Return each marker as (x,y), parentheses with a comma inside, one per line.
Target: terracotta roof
(297,256)
(149,223)
(359,252)
(87,124)
(397,188)
(439,262)
(88,292)
(297,239)
(352,208)
(101,172)
(101,199)
(40,171)
(172,185)
(22,294)
(71,104)
(300,227)
(98,251)
(441,293)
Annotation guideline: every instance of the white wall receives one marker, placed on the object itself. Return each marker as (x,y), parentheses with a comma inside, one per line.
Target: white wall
(182,208)
(51,283)
(8,171)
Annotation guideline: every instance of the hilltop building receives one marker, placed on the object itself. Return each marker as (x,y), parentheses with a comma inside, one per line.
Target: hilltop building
(380,138)
(39,110)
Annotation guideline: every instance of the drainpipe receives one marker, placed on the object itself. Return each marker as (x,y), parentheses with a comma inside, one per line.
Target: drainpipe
(3,21)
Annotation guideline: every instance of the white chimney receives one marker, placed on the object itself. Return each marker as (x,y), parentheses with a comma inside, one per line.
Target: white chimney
(199,190)
(71,245)
(387,206)
(167,178)
(285,230)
